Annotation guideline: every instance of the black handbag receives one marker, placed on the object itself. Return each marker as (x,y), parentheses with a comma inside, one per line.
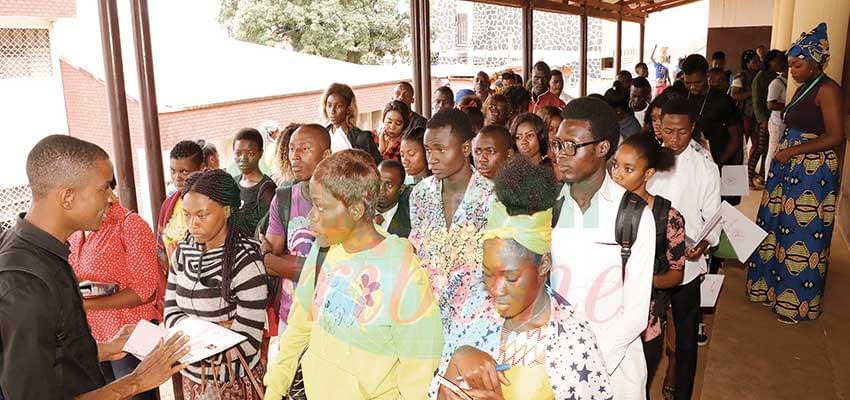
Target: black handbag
(296,388)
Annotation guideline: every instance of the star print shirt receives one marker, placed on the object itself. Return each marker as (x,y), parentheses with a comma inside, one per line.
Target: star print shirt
(571,361)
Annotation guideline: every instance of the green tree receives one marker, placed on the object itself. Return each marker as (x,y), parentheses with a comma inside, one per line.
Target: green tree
(357,31)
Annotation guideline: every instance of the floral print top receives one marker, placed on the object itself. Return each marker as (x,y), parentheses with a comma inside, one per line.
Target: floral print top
(452,256)
(660,298)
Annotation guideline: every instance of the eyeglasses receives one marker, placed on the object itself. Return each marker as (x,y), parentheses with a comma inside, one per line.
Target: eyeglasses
(569,147)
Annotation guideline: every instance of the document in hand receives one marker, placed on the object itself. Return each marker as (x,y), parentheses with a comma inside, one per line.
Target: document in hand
(709,289)
(206,339)
(744,235)
(709,226)
(734,181)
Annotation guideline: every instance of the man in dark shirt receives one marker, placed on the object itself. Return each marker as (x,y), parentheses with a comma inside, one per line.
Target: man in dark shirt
(46,347)
(717,119)
(403,92)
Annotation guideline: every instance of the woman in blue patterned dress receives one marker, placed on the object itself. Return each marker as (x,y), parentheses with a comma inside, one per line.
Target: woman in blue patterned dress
(788,270)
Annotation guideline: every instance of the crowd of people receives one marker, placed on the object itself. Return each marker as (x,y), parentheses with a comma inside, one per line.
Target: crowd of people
(519,244)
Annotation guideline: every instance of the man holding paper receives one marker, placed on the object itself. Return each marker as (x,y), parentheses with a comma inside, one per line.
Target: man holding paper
(693,188)
(46,348)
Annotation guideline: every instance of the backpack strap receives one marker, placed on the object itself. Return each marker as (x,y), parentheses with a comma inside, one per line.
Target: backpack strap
(284,211)
(661,214)
(556,209)
(626,225)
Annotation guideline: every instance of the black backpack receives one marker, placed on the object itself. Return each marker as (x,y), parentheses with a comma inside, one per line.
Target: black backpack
(284,208)
(625,227)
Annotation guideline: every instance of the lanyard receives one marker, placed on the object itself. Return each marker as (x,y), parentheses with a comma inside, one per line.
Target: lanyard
(797,99)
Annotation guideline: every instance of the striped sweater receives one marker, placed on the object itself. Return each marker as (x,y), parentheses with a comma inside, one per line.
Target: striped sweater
(195,291)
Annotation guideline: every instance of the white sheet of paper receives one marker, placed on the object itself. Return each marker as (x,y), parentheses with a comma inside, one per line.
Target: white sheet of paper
(709,289)
(734,181)
(744,235)
(144,338)
(206,339)
(709,226)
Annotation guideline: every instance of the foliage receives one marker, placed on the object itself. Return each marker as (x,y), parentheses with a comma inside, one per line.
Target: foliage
(357,31)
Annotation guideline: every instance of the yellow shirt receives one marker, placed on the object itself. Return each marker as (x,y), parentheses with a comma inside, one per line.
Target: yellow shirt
(373,331)
(176,228)
(528,382)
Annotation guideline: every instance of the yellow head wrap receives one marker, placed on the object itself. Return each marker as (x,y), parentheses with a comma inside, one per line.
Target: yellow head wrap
(534,232)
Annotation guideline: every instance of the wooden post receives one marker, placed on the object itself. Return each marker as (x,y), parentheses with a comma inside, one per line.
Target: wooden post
(618,62)
(147,99)
(642,40)
(425,57)
(527,41)
(583,52)
(116,100)
(415,53)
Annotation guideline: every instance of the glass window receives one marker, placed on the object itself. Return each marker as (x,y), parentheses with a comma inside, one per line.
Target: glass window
(601,50)
(631,46)
(468,37)
(557,41)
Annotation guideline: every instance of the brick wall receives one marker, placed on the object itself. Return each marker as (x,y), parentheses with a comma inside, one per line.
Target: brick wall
(222,121)
(38,8)
(88,117)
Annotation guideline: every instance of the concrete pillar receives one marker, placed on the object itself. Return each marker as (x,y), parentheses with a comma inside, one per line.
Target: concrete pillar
(836,13)
(783,15)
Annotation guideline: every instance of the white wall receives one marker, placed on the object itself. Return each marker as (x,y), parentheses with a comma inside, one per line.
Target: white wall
(683,30)
(30,109)
(732,13)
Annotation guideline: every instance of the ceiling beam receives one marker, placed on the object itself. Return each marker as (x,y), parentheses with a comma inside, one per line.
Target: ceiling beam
(557,6)
(658,6)
(601,5)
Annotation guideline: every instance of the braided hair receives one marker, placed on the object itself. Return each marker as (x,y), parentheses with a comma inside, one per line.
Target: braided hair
(220,187)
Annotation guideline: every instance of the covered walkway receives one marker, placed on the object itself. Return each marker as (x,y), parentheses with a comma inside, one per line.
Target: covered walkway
(750,355)
(753,356)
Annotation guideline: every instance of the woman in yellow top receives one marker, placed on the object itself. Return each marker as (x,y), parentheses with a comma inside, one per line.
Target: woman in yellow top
(536,349)
(371,329)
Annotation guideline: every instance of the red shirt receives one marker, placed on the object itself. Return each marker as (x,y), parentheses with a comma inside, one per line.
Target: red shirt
(545,99)
(393,152)
(123,251)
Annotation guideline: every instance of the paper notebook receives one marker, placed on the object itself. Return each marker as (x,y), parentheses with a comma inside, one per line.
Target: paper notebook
(206,339)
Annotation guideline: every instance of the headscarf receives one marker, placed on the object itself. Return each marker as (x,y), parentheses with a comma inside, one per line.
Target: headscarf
(534,232)
(461,93)
(812,45)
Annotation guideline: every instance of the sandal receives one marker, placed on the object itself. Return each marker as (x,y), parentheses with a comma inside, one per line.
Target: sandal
(786,320)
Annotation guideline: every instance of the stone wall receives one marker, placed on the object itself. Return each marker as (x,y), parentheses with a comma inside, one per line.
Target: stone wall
(496,40)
